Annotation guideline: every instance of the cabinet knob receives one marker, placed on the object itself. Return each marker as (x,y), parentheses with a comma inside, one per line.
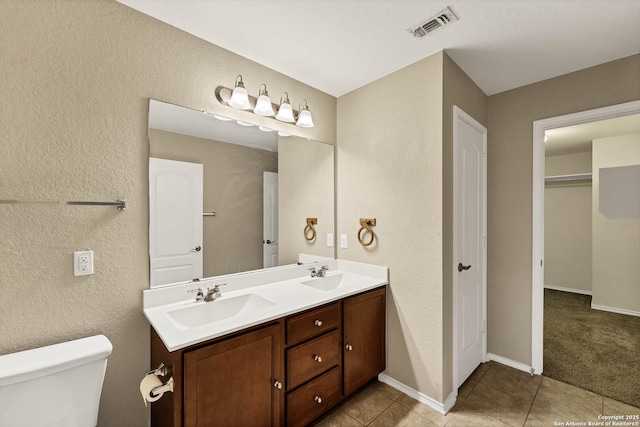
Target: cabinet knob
(318,322)
(318,399)
(348,347)
(317,358)
(278,385)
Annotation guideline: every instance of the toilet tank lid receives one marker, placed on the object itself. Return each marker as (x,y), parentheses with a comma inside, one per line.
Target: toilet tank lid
(38,362)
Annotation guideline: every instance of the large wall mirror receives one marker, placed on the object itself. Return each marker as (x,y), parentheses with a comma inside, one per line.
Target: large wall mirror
(227,197)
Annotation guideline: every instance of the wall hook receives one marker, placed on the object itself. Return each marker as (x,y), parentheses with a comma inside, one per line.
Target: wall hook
(365,227)
(309,229)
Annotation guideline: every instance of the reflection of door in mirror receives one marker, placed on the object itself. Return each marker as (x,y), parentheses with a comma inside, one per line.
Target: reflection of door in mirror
(234,158)
(175,226)
(270,219)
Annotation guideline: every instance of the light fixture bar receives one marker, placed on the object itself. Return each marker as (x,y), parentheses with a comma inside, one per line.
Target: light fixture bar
(239,98)
(223,95)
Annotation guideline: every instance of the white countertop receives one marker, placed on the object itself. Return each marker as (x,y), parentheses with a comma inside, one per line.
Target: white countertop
(282,287)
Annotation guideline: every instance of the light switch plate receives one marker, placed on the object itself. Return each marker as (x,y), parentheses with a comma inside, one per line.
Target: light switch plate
(343,241)
(82,263)
(330,240)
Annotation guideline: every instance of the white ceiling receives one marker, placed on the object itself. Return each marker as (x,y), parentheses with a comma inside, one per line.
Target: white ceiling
(337,46)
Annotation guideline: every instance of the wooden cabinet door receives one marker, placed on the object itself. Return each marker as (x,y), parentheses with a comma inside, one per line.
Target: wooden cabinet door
(364,338)
(231,383)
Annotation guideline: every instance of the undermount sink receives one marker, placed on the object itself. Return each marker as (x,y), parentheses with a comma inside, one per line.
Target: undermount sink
(208,312)
(328,283)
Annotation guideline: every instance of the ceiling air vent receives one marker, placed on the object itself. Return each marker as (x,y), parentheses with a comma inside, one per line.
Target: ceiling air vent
(441,19)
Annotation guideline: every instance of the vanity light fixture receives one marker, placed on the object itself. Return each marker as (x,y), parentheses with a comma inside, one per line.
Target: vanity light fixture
(265,129)
(263,104)
(304,117)
(247,124)
(285,111)
(239,96)
(284,134)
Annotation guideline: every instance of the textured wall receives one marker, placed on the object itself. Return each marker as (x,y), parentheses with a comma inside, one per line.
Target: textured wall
(616,242)
(567,224)
(389,167)
(305,190)
(510,179)
(75,78)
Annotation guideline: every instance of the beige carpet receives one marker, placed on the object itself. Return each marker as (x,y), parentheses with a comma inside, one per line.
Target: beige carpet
(592,349)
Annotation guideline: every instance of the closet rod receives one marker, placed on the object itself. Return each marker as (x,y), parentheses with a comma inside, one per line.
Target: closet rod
(571,177)
(120,203)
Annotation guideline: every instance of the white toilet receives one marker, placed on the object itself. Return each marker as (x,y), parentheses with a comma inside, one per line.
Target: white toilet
(57,385)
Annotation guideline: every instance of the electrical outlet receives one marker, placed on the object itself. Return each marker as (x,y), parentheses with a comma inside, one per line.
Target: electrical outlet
(330,240)
(82,263)
(343,241)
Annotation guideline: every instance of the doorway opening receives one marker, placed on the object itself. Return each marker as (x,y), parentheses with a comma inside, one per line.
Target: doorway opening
(541,127)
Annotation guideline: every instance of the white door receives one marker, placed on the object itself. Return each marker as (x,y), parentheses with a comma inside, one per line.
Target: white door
(270,220)
(469,244)
(175,221)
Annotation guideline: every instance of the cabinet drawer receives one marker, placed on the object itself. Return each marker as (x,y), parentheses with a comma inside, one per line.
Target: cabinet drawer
(312,358)
(313,399)
(313,323)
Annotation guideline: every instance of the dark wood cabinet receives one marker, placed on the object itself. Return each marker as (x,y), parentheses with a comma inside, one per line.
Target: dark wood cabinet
(290,371)
(364,338)
(234,382)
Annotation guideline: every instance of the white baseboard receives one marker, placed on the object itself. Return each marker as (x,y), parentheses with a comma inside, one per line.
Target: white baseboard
(572,290)
(511,363)
(443,408)
(615,310)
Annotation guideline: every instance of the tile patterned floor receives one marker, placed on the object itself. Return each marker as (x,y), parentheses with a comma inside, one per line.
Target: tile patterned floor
(494,395)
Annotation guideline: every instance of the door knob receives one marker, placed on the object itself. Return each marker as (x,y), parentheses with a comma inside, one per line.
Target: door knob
(197,249)
(463,267)
(269,242)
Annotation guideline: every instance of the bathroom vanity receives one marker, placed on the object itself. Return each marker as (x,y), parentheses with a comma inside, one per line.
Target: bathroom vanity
(284,370)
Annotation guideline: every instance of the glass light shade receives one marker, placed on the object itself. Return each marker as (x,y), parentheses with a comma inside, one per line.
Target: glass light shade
(285,113)
(240,98)
(247,124)
(285,134)
(263,106)
(265,129)
(304,118)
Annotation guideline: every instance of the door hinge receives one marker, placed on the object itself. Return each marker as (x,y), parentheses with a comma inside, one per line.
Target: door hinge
(484,242)
(484,325)
(484,158)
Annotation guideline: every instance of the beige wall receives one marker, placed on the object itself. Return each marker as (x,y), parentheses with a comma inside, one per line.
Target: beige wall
(75,79)
(616,242)
(389,167)
(510,151)
(460,90)
(305,190)
(232,240)
(567,224)
(395,164)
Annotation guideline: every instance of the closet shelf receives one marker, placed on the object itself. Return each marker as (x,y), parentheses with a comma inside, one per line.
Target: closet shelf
(571,177)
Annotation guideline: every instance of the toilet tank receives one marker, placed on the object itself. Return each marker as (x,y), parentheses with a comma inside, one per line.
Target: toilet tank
(56,385)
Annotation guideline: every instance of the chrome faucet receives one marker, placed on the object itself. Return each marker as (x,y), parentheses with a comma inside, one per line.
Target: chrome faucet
(199,294)
(319,273)
(213,294)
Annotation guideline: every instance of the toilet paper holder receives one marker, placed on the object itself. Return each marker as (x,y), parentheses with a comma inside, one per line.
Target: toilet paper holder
(160,370)
(168,386)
